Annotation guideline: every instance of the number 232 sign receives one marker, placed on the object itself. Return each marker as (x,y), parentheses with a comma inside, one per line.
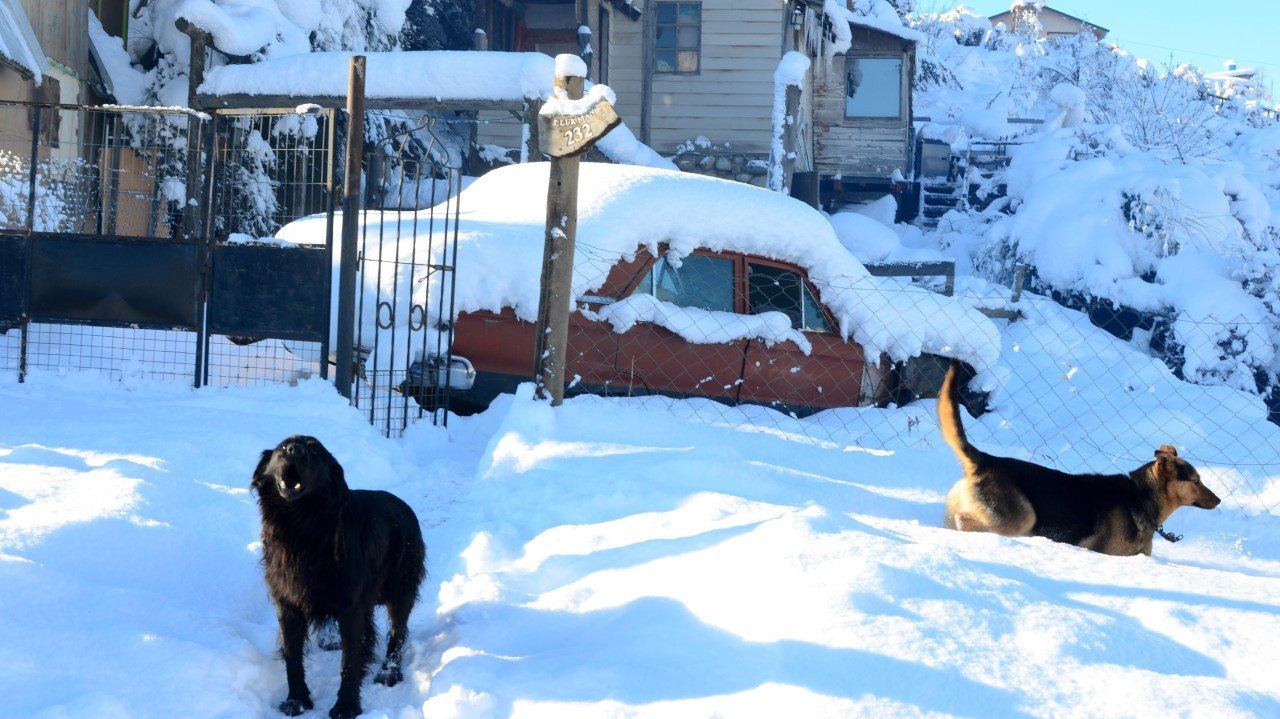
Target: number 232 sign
(569,135)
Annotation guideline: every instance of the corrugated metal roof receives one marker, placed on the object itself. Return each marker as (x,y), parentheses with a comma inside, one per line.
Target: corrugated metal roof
(18,43)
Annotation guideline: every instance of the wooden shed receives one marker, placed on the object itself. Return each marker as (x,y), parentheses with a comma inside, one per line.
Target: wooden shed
(862,130)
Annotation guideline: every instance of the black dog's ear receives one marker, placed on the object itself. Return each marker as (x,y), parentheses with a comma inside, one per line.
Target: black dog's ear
(1166,449)
(337,478)
(262,464)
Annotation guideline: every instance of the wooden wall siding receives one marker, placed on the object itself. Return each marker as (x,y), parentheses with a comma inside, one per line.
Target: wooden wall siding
(62,26)
(869,148)
(625,65)
(498,128)
(730,100)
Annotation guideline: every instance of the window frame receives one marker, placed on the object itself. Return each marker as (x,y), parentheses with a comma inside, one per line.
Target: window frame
(675,27)
(604,25)
(647,276)
(903,89)
(804,283)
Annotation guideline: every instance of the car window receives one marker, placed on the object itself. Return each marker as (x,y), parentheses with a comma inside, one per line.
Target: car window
(774,289)
(700,281)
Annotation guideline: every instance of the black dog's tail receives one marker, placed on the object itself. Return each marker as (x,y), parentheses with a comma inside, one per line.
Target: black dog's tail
(949,420)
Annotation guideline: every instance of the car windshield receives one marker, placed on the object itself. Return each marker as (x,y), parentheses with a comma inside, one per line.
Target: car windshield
(701,281)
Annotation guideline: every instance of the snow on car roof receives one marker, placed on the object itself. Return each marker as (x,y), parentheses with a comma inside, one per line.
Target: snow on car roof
(623,208)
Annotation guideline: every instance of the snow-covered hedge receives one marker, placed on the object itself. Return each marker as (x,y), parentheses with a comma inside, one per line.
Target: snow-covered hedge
(1153,192)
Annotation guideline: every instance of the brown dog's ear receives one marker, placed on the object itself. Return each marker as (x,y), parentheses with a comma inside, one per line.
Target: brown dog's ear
(1166,449)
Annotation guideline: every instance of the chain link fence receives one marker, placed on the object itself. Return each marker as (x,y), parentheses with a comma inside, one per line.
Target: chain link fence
(748,342)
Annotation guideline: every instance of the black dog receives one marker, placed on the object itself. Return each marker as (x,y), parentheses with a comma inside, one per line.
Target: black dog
(333,553)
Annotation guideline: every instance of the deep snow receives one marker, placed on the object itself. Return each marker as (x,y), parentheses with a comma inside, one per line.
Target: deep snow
(641,559)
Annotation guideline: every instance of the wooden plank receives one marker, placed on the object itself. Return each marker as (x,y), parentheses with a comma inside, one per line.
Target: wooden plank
(647,38)
(205,101)
(752,111)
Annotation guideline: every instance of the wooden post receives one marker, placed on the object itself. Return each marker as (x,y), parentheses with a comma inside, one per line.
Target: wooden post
(346,340)
(556,297)
(791,123)
(532,148)
(200,42)
(649,35)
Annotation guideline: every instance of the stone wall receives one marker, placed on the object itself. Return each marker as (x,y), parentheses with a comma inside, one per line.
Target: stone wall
(738,166)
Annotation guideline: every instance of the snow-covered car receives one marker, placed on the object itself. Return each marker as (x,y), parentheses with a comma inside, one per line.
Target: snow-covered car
(685,285)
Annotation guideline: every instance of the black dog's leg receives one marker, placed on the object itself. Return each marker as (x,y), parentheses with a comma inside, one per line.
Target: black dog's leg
(398,615)
(358,632)
(293,637)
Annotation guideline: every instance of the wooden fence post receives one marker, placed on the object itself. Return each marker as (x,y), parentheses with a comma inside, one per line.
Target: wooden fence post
(556,297)
(192,208)
(345,344)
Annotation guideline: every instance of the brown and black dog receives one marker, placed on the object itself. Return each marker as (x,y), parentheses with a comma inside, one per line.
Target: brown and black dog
(1110,513)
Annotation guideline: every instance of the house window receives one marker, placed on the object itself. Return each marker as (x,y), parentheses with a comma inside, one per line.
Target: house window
(873,87)
(114,15)
(678,39)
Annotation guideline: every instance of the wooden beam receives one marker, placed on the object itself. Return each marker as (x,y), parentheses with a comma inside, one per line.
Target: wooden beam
(240,101)
(351,200)
(648,37)
(942,268)
(556,295)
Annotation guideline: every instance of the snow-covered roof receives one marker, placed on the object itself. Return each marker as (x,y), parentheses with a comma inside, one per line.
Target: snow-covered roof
(622,208)
(125,83)
(872,14)
(18,43)
(1244,74)
(438,75)
(425,76)
(1039,6)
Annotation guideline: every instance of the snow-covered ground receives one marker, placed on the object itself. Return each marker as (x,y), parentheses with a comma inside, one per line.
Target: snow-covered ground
(619,558)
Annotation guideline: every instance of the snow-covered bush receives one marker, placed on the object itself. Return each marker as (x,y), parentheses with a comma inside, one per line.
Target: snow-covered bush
(59,193)
(246,31)
(1149,197)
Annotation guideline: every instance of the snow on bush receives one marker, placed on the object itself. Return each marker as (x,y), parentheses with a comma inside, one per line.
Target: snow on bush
(1151,192)
(59,206)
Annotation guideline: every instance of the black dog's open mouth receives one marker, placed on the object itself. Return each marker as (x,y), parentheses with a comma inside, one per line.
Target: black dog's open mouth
(289,482)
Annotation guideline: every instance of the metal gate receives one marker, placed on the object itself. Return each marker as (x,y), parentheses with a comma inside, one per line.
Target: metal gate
(407,251)
(162,243)
(138,242)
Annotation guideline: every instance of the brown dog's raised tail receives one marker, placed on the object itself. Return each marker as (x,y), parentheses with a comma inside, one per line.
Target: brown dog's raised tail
(949,420)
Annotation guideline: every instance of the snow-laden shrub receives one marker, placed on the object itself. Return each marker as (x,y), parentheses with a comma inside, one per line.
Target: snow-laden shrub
(1102,221)
(61,193)
(1158,214)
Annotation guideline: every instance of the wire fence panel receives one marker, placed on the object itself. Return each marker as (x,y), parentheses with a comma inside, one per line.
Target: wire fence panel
(119,353)
(119,221)
(270,168)
(93,170)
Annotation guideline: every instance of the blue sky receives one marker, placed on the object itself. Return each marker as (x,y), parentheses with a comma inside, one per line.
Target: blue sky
(1203,33)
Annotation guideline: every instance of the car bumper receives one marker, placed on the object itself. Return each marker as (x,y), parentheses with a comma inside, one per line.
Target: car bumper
(455,373)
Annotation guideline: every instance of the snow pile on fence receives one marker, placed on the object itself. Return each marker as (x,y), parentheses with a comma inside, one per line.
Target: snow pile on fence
(437,75)
(624,209)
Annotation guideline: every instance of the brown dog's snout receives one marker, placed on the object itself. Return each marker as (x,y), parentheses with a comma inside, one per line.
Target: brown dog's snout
(1208,500)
